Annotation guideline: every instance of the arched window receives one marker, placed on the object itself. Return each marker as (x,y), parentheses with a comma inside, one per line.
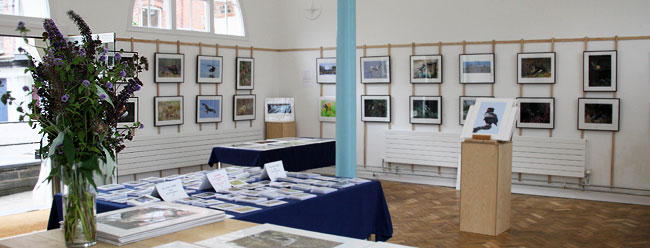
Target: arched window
(221,17)
(27,8)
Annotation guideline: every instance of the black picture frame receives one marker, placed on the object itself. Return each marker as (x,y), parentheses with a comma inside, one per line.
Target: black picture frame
(435,121)
(201,80)
(158,123)
(385,80)
(552,67)
(159,79)
(198,107)
(237,73)
(386,119)
(136,116)
(551,124)
(325,79)
(479,79)
(615,115)
(589,72)
(234,107)
(439,71)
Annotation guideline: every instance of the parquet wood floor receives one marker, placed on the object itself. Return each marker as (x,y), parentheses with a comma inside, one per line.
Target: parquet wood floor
(428,216)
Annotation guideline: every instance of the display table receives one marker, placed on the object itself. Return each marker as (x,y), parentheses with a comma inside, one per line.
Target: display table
(355,212)
(294,158)
(54,238)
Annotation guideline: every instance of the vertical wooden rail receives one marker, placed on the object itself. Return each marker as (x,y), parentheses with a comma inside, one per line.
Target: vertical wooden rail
(200,85)
(216,86)
(412,86)
(582,132)
(236,55)
(365,124)
(494,72)
(550,131)
(464,51)
(250,122)
(178,85)
(157,84)
(389,83)
(611,163)
(321,94)
(440,88)
(521,86)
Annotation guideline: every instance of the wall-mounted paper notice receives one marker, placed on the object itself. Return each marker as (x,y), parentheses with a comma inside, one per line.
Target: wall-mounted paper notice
(217,179)
(170,191)
(273,171)
(307,78)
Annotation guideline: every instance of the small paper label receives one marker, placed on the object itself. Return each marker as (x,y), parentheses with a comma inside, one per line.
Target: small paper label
(217,179)
(170,191)
(273,171)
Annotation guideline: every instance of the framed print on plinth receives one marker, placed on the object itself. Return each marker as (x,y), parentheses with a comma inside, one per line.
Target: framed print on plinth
(209,69)
(169,67)
(243,107)
(425,109)
(279,110)
(245,73)
(536,68)
(168,110)
(599,114)
(491,116)
(327,109)
(375,108)
(599,68)
(130,114)
(463,105)
(536,112)
(426,69)
(326,70)
(375,69)
(477,68)
(209,108)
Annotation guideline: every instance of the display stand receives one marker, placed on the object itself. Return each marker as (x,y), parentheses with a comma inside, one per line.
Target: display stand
(280,129)
(485,186)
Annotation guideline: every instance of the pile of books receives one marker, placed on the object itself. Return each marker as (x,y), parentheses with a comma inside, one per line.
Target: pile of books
(133,224)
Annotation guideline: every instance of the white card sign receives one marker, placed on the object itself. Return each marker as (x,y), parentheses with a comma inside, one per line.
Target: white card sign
(217,179)
(170,191)
(273,171)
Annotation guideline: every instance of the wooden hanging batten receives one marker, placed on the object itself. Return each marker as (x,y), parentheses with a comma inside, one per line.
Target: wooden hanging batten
(178,85)
(412,88)
(440,84)
(521,86)
(250,122)
(365,124)
(132,44)
(492,84)
(611,163)
(200,85)
(389,83)
(320,123)
(550,131)
(216,86)
(464,51)
(157,84)
(236,55)
(584,94)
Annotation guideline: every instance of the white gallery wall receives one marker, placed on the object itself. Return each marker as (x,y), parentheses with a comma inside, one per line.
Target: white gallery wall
(380,22)
(281,24)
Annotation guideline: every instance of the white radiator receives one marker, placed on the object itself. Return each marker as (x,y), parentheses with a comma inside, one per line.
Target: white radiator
(170,151)
(530,155)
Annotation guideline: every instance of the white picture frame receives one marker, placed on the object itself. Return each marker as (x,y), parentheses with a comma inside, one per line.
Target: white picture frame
(168,110)
(244,107)
(209,69)
(426,69)
(491,116)
(600,71)
(375,69)
(375,108)
(600,114)
(425,110)
(169,67)
(326,70)
(209,108)
(279,110)
(536,68)
(327,109)
(536,112)
(476,68)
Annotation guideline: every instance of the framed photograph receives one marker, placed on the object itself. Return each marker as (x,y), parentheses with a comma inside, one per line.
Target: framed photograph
(536,68)
(375,70)
(244,107)
(375,108)
(130,115)
(209,69)
(168,110)
(464,103)
(326,70)
(477,68)
(279,110)
(426,69)
(327,109)
(491,116)
(599,68)
(208,108)
(169,67)
(245,73)
(536,112)
(425,109)
(599,114)
(128,56)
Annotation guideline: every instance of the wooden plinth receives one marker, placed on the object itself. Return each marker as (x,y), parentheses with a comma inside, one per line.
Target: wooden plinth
(485,186)
(280,129)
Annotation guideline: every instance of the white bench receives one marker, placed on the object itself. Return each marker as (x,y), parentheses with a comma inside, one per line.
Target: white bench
(171,151)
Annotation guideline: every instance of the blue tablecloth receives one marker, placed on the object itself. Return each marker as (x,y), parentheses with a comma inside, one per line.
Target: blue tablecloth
(354,212)
(294,158)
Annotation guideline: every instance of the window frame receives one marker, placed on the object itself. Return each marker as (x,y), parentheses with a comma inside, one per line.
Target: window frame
(175,31)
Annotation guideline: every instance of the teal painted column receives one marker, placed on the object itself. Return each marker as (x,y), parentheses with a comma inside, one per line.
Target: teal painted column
(346,91)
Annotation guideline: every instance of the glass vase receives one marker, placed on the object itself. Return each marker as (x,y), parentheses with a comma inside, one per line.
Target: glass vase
(79,209)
